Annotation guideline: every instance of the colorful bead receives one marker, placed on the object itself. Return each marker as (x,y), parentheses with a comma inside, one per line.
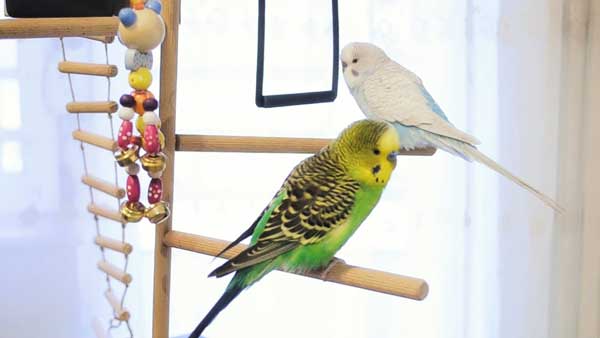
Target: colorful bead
(151,141)
(135,59)
(127,17)
(140,96)
(132,169)
(126,100)
(150,104)
(140,79)
(146,34)
(133,188)
(125,132)
(126,113)
(155,190)
(150,118)
(154,5)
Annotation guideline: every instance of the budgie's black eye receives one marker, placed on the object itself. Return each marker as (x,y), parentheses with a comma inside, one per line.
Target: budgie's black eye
(354,60)
(376,151)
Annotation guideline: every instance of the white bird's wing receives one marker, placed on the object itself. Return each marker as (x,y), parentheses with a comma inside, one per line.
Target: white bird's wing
(395,94)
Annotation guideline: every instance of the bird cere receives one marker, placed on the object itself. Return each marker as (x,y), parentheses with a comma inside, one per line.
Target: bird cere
(141,29)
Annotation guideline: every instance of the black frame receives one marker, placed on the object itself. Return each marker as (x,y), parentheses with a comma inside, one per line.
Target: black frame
(282,100)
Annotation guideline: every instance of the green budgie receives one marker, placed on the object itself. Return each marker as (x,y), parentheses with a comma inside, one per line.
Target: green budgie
(319,206)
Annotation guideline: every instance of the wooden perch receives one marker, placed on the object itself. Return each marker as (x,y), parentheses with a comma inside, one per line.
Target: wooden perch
(379,281)
(104,39)
(255,144)
(115,272)
(106,213)
(95,140)
(58,27)
(104,186)
(120,313)
(94,69)
(92,107)
(113,244)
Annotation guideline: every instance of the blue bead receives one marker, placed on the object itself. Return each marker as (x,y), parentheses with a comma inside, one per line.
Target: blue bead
(127,16)
(154,5)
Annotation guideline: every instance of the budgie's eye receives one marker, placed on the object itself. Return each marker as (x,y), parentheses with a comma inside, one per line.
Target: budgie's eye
(354,60)
(376,151)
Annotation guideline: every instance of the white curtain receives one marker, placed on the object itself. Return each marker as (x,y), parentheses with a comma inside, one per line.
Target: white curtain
(522,76)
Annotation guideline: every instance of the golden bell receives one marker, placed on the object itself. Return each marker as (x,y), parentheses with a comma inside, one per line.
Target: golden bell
(158,212)
(132,211)
(128,157)
(154,163)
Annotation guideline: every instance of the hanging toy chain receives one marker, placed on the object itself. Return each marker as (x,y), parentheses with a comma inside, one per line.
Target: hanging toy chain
(141,29)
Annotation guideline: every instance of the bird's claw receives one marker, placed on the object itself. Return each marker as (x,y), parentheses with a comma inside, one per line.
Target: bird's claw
(335,261)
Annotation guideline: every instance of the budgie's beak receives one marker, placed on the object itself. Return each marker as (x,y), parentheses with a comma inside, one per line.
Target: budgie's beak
(392,156)
(344,65)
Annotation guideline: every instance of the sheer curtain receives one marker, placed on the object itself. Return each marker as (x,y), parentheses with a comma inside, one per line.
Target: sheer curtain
(519,75)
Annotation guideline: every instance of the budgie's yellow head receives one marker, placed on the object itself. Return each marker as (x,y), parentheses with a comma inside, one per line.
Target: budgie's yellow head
(368,150)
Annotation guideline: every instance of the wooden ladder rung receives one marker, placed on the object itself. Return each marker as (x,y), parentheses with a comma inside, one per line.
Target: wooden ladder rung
(104,39)
(369,279)
(88,69)
(120,313)
(113,244)
(58,27)
(106,213)
(99,330)
(115,272)
(257,144)
(104,186)
(95,140)
(104,107)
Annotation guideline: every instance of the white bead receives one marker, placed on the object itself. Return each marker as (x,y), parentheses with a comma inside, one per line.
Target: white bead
(150,118)
(132,169)
(155,174)
(126,113)
(135,59)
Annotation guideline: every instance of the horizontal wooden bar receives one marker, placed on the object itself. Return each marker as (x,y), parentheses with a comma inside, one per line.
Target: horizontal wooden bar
(115,272)
(95,140)
(92,107)
(255,144)
(106,213)
(104,39)
(99,330)
(120,313)
(82,68)
(113,244)
(104,186)
(379,281)
(58,27)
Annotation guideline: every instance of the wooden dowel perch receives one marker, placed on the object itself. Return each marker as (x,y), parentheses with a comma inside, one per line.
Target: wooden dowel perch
(99,330)
(92,107)
(379,281)
(255,144)
(106,213)
(95,140)
(104,186)
(58,27)
(104,39)
(113,244)
(88,68)
(120,313)
(115,272)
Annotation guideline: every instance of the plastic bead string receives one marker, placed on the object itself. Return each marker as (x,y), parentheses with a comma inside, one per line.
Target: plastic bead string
(113,323)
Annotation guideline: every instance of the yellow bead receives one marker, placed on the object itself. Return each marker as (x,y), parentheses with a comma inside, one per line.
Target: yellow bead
(140,79)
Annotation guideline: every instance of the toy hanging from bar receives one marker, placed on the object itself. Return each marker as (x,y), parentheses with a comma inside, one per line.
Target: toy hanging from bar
(141,29)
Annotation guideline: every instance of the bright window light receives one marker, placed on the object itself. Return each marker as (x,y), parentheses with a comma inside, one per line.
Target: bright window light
(12,159)
(10,107)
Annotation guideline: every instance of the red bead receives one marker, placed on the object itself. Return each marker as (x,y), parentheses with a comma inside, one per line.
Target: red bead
(125,133)
(151,140)
(155,191)
(133,188)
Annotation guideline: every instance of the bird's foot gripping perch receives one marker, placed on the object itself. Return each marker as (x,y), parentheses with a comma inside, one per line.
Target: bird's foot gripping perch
(325,271)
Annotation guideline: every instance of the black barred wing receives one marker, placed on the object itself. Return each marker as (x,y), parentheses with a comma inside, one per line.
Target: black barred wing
(317,198)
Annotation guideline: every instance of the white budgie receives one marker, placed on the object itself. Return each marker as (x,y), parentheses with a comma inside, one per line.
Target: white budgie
(385,90)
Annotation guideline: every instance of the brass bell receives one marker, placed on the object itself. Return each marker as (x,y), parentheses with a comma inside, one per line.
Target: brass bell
(158,212)
(132,212)
(154,163)
(128,156)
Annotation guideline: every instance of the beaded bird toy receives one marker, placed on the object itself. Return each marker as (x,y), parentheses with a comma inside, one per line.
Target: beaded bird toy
(141,29)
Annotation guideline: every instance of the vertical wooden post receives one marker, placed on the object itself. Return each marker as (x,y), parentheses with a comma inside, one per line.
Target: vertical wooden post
(168,96)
